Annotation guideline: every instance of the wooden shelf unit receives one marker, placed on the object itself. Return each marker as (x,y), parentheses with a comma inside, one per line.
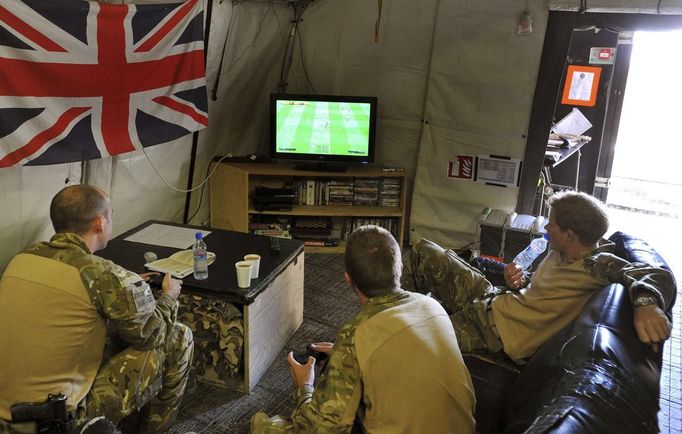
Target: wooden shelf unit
(233,183)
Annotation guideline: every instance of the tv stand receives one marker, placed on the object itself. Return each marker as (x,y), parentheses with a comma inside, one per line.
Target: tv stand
(320,167)
(233,188)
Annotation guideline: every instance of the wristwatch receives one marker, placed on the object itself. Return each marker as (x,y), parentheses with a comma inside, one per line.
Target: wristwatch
(645,300)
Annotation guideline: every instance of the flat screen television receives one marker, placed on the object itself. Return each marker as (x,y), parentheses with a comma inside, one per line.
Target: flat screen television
(323,132)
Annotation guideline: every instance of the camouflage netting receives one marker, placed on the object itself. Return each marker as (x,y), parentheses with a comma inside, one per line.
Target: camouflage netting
(218,338)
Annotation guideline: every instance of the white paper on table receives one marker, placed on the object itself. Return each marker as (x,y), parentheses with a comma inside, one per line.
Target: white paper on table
(166,235)
(573,123)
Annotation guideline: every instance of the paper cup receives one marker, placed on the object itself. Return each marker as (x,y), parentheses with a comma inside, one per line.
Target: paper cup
(255,260)
(243,273)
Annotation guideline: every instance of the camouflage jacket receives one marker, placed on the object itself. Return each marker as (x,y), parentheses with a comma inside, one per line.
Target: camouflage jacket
(119,295)
(636,277)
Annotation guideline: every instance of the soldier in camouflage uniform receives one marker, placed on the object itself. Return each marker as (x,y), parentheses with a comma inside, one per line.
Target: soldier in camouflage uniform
(400,349)
(519,322)
(57,301)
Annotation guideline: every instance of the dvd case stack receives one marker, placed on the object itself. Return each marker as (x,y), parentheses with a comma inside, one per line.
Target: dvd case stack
(389,192)
(341,191)
(318,229)
(366,192)
(388,223)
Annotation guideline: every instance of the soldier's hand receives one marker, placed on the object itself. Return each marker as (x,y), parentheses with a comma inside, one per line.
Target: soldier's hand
(301,374)
(513,276)
(652,325)
(323,347)
(146,276)
(171,286)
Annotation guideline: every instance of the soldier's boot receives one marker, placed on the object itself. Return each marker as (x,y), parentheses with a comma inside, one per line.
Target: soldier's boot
(262,424)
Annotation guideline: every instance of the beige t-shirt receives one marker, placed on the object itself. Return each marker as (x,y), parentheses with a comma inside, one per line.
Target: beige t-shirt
(52,337)
(555,296)
(414,377)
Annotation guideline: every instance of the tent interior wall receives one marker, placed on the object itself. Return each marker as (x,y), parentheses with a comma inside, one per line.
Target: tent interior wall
(452,78)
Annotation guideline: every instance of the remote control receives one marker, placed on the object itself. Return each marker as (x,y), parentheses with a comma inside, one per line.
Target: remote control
(274,244)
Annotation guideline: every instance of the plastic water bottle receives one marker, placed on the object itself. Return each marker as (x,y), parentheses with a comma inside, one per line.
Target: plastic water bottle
(526,256)
(200,257)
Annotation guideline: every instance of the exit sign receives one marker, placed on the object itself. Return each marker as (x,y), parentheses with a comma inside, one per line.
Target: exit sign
(602,55)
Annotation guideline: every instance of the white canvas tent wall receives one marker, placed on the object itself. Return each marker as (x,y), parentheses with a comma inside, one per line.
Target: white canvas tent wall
(452,78)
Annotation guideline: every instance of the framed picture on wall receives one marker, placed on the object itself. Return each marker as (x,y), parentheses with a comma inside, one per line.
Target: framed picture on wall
(582,83)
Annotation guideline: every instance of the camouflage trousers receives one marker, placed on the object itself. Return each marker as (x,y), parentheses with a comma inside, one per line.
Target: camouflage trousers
(152,381)
(462,290)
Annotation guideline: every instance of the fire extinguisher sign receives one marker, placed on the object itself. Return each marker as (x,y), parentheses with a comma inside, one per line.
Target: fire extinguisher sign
(461,167)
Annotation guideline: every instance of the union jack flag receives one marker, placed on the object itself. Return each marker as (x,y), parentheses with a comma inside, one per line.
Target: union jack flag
(82,80)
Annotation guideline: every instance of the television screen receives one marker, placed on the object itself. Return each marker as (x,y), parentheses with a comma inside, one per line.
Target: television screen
(322,128)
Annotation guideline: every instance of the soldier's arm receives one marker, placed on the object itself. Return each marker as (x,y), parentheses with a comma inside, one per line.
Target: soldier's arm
(125,299)
(331,405)
(638,278)
(650,322)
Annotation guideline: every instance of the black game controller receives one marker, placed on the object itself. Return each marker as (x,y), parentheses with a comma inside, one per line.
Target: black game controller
(155,281)
(302,357)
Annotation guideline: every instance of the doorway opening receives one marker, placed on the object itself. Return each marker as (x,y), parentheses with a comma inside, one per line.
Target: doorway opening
(645,190)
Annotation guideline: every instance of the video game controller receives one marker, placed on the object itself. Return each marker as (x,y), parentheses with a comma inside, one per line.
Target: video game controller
(302,357)
(155,281)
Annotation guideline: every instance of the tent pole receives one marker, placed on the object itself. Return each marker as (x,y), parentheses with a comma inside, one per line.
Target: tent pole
(195,135)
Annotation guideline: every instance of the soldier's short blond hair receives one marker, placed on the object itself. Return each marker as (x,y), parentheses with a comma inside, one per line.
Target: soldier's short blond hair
(581,213)
(373,260)
(75,207)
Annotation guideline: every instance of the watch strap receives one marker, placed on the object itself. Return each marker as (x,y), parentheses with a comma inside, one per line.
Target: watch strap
(645,300)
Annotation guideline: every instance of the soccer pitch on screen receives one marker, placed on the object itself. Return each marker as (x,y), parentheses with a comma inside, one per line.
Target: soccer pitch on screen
(320,127)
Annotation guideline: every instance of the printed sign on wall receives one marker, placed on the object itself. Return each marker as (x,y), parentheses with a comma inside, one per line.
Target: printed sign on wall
(581,85)
(462,167)
(602,55)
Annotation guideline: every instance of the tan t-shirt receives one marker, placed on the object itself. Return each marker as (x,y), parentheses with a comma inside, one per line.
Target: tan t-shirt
(555,296)
(52,335)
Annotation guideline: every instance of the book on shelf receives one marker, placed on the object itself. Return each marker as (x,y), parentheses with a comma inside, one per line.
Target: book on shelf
(279,233)
(332,242)
(271,226)
(310,192)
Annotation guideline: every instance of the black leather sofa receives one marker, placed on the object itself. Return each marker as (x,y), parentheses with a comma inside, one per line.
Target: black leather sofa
(594,376)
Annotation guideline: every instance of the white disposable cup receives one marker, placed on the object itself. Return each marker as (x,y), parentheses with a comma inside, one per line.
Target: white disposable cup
(243,273)
(255,260)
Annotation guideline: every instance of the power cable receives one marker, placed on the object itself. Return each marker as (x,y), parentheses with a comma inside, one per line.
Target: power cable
(305,71)
(144,150)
